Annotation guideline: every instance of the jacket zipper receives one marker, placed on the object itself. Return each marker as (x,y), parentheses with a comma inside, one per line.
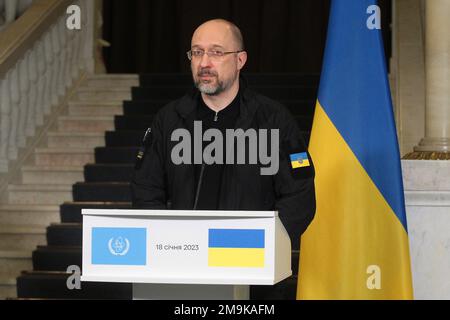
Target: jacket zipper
(199,186)
(202,171)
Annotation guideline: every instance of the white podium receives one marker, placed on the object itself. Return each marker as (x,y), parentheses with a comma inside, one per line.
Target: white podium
(185,255)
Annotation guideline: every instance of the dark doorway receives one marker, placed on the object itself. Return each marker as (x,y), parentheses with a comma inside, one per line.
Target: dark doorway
(285,36)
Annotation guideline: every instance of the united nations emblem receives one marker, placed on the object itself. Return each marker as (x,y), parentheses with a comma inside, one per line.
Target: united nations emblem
(119,246)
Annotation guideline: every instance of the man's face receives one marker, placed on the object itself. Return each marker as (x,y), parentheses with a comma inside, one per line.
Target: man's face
(214,74)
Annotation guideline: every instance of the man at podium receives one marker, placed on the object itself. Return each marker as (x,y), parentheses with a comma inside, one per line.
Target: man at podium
(224,146)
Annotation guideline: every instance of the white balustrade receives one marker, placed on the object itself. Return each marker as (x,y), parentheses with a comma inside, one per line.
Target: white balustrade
(13,87)
(13,9)
(5,121)
(40,78)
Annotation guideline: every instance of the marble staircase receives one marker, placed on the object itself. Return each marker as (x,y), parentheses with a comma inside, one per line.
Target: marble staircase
(31,202)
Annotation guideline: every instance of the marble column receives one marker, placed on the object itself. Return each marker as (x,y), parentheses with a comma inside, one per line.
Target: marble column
(437,60)
(408,72)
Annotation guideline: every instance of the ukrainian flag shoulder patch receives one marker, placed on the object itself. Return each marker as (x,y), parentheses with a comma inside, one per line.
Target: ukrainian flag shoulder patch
(299,160)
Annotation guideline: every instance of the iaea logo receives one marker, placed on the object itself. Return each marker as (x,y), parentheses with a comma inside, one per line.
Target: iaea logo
(119,246)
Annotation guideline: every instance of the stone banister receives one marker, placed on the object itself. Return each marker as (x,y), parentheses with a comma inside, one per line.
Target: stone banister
(40,58)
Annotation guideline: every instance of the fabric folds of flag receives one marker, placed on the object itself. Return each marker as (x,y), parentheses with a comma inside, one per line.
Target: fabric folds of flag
(357,246)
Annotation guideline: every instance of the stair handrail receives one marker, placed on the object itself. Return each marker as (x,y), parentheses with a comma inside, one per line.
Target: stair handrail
(41,59)
(22,33)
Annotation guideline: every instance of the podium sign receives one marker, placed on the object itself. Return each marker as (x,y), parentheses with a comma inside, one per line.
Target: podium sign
(185,247)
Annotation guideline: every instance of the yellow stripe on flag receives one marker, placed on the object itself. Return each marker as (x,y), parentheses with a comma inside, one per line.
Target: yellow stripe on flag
(236,257)
(354,228)
(298,164)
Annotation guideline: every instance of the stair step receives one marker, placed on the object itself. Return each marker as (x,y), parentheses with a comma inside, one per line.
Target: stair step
(115,80)
(275,92)
(106,87)
(11,264)
(75,139)
(125,138)
(7,291)
(29,214)
(151,107)
(63,156)
(102,94)
(159,92)
(94,104)
(11,280)
(65,234)
(106,192)
(133,122)
(108,172)
(112,76)
(166,79)
(85,123)
(252,79)
(51,174)
(116,154)
(53,285)
(21,237)
(144,107)
(95,108)
(71,211)
(47,258)
(39,194)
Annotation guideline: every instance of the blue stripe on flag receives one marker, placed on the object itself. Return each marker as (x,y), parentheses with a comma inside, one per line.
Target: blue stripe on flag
(234,238)
(299,157)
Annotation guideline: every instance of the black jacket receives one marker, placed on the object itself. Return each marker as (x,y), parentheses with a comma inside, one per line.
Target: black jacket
(159,184)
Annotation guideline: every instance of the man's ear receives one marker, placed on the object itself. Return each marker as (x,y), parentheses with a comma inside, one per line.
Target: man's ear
(242,60)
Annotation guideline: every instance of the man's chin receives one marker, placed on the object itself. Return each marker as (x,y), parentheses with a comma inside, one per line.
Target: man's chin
(208,90)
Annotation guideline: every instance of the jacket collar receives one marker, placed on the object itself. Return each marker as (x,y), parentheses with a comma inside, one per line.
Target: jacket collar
(186,108)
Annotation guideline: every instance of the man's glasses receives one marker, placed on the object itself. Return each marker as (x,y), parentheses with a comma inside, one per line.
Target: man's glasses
(214,54)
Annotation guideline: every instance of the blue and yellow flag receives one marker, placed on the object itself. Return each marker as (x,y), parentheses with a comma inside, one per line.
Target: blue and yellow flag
(299,160)
(357,245)
(236,248)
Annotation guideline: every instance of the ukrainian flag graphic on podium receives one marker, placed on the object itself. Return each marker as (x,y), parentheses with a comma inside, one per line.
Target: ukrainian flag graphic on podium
(357,245)
(236,248)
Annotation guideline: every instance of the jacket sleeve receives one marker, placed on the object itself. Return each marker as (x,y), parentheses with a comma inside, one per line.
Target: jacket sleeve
(295,191)
(148,186)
